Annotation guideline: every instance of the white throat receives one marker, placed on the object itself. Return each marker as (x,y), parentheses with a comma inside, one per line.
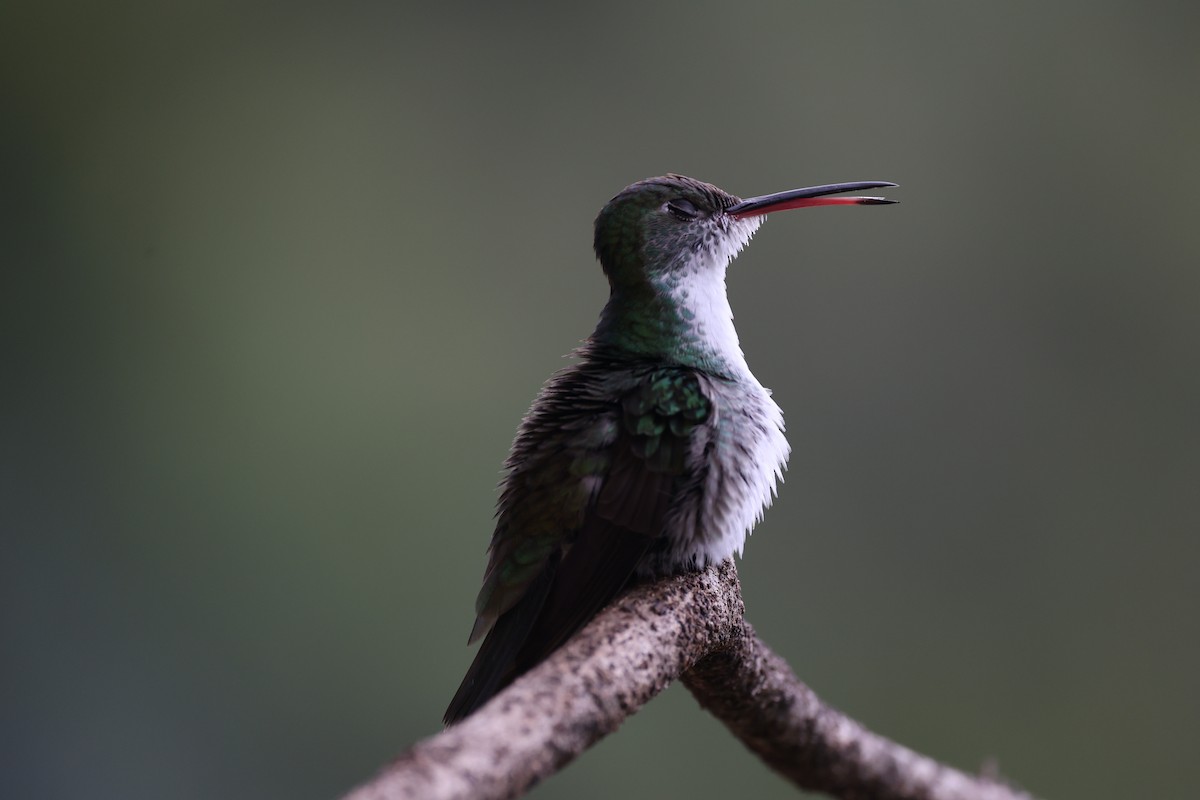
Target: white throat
(702,297)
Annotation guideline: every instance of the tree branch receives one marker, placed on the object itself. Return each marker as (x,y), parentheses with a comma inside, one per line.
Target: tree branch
(689,626)
(755,693)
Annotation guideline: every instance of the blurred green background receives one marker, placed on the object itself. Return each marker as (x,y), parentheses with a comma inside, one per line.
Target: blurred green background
(280,279)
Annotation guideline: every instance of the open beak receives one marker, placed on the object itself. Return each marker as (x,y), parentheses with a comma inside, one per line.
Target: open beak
(805,198)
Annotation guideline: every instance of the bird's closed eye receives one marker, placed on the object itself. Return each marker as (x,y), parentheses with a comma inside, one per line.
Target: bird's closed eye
(682,209)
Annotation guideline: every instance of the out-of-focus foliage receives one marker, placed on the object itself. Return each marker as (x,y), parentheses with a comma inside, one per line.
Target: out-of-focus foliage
(278,281)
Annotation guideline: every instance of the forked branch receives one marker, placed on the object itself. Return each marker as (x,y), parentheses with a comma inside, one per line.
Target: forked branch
(688,627)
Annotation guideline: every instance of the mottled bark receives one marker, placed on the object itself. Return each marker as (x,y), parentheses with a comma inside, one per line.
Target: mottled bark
(688,627)
(755,693)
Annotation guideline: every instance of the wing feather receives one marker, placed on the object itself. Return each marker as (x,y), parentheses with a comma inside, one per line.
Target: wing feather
(553,565)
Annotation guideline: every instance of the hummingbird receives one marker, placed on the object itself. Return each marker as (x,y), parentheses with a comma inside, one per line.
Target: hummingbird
(656,451)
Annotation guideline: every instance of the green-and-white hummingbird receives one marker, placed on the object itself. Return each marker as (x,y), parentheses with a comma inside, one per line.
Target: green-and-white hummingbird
(656,451)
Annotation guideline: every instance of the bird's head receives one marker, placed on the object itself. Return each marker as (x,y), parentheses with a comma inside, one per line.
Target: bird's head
(662,229)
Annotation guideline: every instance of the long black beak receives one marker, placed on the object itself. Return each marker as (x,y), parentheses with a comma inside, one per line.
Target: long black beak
(811,196)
